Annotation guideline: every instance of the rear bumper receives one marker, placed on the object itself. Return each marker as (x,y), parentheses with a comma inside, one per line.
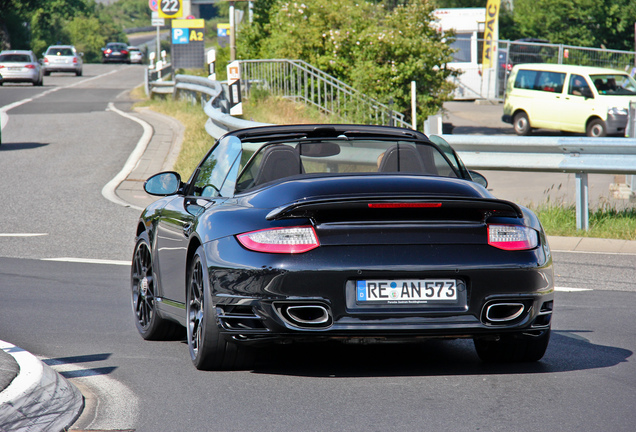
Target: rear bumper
(19,77)
(62,68)
(252,301)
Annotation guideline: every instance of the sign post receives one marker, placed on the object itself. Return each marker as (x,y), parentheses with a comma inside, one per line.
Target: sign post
(234,85)
(212,65)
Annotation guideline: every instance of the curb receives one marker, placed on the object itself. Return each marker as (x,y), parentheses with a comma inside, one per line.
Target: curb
(38,398)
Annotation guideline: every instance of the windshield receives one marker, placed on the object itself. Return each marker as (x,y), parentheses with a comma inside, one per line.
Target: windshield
(614,84)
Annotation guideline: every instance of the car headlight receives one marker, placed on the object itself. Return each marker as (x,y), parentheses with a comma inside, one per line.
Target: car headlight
(617,111)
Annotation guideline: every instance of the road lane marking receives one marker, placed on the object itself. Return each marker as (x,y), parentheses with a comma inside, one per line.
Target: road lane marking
(569,289)
(22,234)
(108,191)
(4,117)
(88,261)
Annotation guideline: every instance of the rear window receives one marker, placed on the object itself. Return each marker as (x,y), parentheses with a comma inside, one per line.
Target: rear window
(60,51)
(540,80)
(15,58)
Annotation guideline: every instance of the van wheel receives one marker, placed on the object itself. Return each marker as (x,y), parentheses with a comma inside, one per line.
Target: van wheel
(596,128)
(521,124)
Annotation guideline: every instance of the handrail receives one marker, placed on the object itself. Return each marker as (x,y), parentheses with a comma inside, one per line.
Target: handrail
(299,80)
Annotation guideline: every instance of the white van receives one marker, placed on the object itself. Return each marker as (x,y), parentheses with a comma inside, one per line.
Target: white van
(568,98)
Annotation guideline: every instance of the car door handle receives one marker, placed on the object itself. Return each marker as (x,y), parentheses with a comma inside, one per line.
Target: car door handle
(187,229)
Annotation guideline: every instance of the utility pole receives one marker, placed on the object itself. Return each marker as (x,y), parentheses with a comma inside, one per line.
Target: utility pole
(232,32)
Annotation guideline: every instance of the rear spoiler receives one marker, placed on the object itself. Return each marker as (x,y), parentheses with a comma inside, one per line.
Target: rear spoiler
(308,207)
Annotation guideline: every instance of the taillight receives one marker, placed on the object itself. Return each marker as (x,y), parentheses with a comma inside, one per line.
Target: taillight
(46,60)
(74,59)
(512,237)
(30,66)
(297,239)
(108,51)
(124,52)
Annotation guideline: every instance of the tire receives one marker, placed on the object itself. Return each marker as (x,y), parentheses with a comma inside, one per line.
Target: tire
(513,348)
(47,73)
(78,73)
(144,291)
(596,128)
(521,124)
(208,348)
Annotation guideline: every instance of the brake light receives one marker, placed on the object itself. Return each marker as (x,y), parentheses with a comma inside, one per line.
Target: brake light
(74,59)
(46,60)
(297,239)
(29,66)
(124,52)
(512,237)
(404,205)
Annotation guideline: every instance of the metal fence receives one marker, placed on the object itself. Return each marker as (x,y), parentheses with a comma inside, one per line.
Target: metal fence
(299,81)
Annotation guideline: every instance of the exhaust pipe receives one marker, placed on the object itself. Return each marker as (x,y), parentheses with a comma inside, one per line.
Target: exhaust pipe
(305,315)
(309,314)
(504,312)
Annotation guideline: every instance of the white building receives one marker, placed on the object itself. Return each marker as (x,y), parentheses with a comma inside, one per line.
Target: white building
(469,25)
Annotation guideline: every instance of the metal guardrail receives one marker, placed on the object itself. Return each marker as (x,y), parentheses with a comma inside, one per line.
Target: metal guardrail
(580,156)
(300,81)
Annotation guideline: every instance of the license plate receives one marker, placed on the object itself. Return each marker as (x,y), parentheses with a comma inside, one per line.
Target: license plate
(406,291)
(15,68)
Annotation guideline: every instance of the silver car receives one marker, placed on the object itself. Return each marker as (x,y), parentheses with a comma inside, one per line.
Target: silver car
(20,66)
(136,56)
(62,58)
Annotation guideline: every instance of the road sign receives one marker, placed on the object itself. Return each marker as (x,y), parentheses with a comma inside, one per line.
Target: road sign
(154,5)
(170,9)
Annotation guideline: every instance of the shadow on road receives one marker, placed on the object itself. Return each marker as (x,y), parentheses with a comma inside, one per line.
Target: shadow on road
(21,146)
(565,353)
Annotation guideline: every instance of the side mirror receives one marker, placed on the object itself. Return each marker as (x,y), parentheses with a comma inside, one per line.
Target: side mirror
(478,178)
(163,184)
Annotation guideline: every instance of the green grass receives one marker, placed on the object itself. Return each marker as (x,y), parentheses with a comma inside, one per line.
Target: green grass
(604,222)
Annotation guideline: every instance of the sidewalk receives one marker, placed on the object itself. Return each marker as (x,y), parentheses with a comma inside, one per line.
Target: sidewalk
(25,380)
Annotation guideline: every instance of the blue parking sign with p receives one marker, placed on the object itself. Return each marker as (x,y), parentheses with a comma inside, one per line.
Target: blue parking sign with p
(180,35)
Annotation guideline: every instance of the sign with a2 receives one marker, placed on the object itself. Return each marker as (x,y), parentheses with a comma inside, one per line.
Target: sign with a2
(170,9)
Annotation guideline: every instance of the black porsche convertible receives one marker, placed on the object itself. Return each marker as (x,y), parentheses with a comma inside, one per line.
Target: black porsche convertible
(348,232)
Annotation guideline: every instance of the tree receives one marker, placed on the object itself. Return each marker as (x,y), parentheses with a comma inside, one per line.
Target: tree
(362,44)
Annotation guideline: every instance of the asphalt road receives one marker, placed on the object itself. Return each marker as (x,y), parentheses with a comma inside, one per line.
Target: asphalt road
(58,152)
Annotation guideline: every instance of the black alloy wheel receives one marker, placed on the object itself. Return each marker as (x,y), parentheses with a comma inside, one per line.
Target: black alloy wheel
(514,348)
(144,291)
(208,348)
